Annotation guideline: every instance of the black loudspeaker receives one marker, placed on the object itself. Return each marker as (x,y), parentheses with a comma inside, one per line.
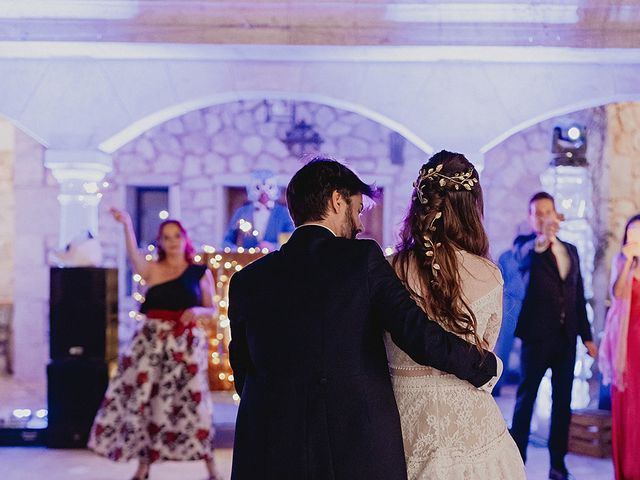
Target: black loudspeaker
(83,340)
(83,313)
(75,389)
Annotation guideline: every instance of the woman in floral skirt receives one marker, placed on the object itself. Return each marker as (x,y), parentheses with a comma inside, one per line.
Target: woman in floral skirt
(158,407)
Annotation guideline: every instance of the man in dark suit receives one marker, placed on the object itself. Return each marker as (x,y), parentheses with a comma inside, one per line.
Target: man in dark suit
(307,346)
(553,314)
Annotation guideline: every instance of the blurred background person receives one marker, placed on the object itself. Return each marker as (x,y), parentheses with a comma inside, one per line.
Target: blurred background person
(512,297)
(261,221)
(619,360)
(553,314)
(158,405)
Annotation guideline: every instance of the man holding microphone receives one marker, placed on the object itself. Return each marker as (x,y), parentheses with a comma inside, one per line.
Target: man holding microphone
(553,315)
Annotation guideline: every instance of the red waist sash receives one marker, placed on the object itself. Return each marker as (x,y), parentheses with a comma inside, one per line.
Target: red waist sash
(171,315)
(178,328)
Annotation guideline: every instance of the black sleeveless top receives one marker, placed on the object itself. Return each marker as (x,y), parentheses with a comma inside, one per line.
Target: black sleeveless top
(177,294)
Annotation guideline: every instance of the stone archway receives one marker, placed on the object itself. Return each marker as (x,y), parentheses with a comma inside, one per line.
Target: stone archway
(142,125)
(222,143)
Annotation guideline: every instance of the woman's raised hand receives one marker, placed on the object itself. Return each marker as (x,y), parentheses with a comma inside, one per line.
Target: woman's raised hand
(120,216)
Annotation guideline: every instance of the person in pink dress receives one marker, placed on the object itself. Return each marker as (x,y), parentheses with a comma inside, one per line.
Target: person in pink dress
(620,354)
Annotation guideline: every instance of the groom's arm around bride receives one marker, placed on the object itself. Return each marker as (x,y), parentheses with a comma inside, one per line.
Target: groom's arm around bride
(425,341)
(307,347)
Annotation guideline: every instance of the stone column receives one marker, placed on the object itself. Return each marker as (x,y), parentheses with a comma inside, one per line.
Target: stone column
(79,173)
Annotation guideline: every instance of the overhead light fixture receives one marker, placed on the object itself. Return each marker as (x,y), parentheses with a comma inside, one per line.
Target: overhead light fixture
(545,13)
(301,138)
(569,145)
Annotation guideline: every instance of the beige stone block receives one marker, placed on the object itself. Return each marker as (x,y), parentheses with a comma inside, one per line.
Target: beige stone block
(370,131)
(304,111)
(627,118)
(338,129)
(214,163)
(167,163)
(192,166)
(144,148)
(252,145)
(226,142)
(28,170)
(6,165)
(7,294)
(175,126)
(634,107)
(380,150)
(166,143)
(330,149)
(6,187)
(277,148)
(195,143)
(7,237)
(208,216)
(324,116)
(244,122)
(31,282)
(37,211)
(635,140)
(238,164)
(267,162)
(7,135)
(7,201)
(352,147)
(203,198)
(193,121)
(213,123)
(269,130)
(29,250)
(260,114)
(129,163)
(199,183)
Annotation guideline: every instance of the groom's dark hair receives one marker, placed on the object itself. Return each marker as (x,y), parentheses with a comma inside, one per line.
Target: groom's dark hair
(310,189)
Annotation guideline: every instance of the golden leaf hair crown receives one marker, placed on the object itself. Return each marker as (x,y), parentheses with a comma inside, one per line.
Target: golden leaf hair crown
(459,180)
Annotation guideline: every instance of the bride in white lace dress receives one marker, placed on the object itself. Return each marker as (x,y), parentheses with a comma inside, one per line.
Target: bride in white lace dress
(450,429)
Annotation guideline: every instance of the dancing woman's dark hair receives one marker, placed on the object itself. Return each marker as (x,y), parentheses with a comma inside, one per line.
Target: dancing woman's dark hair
(445,216)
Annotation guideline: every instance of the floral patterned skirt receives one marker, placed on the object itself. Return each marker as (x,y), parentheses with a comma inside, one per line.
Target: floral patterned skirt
(158,405)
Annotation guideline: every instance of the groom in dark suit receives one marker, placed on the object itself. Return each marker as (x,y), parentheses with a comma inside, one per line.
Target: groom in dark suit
(307,346)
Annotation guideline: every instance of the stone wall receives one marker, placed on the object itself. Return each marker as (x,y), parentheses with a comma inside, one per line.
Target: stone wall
(221,145)
(203,151)
(7,210)
(29,217)
(622,173)
(623,152)
(37,224)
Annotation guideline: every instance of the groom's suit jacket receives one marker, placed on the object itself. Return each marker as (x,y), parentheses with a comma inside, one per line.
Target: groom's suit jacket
(310,365)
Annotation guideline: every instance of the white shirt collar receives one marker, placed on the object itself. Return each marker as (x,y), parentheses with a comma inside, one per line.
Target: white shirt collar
(318,225)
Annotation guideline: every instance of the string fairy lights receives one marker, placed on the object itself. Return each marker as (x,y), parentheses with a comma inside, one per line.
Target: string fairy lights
(223,264)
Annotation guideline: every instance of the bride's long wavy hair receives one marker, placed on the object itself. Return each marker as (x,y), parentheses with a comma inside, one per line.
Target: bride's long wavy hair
(445,216)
